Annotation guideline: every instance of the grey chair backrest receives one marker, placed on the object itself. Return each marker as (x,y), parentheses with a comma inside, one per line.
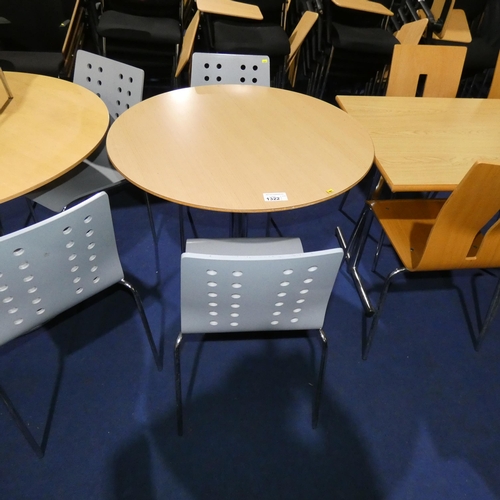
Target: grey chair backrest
(249,290)
(119,85)
(242,69)
(53,265)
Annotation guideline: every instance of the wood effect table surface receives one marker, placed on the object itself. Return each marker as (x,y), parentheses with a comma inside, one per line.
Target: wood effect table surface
(427,144)
(223,147)
(49,127)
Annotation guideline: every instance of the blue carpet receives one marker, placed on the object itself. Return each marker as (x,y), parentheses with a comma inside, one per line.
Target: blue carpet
(417,420)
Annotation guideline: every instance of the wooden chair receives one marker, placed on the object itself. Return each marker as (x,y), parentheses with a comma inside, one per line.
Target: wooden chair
(461,232)
(254,285)
(445,22)
(427,70)
(421,70)
(53,265)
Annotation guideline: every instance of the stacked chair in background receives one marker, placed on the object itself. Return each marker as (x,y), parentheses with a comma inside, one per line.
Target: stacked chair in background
(146,34)
(261,28)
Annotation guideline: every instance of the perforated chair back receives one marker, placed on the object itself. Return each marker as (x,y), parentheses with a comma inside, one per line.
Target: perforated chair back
(119,85)
(427,70)
(214,69)
(248,293)
(55,264)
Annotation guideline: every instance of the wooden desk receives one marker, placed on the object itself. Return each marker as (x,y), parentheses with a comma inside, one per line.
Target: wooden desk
(224,147)
(49,126)
(427,144)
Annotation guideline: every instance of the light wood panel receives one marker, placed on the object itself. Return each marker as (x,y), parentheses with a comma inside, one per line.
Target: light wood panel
(230,8)
(49,126)
(222,147)
(428,144)
(365,6)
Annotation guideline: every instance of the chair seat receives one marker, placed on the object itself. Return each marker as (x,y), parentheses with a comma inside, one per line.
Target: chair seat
(40,63)
(123,26)
(366,40)
(252,38)
(78,183)
(480,54)
(409,229)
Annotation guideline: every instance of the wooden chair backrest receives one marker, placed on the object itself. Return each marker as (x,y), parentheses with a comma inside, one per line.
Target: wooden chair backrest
(494,92)
(456,240)
(441,65)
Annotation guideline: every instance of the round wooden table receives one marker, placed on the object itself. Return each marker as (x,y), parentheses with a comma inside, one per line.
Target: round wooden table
(238,148)
(49,127)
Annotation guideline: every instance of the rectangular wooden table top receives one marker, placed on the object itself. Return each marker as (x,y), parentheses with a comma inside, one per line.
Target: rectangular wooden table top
(427,144)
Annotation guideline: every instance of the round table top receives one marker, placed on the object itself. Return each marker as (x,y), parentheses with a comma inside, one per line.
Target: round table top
(239,148)
(49,127)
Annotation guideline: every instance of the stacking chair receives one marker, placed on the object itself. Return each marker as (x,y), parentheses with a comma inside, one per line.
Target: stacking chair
(120,87)
(53,265)
(141,33)
(461,232)
(254,285)
(49,63)
(355,42)
(425,71)
(208,68)
(231,27)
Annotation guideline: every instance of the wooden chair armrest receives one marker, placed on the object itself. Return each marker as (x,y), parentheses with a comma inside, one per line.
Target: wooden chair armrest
(365,6)
(230,8)
(411,33)
(300,32)
(188,43)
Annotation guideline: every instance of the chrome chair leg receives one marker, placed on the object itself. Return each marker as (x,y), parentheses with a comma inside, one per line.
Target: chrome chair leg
(321,376)
(20,424)
(151,219)
(369,339)
(380,243)
(352,254)
(178,387)
(145,323)
(492,311)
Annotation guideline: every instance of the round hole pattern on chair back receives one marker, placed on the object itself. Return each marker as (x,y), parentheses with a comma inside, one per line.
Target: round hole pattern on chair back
(241,69)
(50,266)
(256,293)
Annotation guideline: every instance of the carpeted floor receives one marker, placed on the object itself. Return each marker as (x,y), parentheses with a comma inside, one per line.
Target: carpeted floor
(417,420)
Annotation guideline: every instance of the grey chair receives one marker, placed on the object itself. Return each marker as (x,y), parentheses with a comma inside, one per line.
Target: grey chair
(212,69)
(254,285)
(51,266)
(120,86)
(218,69)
